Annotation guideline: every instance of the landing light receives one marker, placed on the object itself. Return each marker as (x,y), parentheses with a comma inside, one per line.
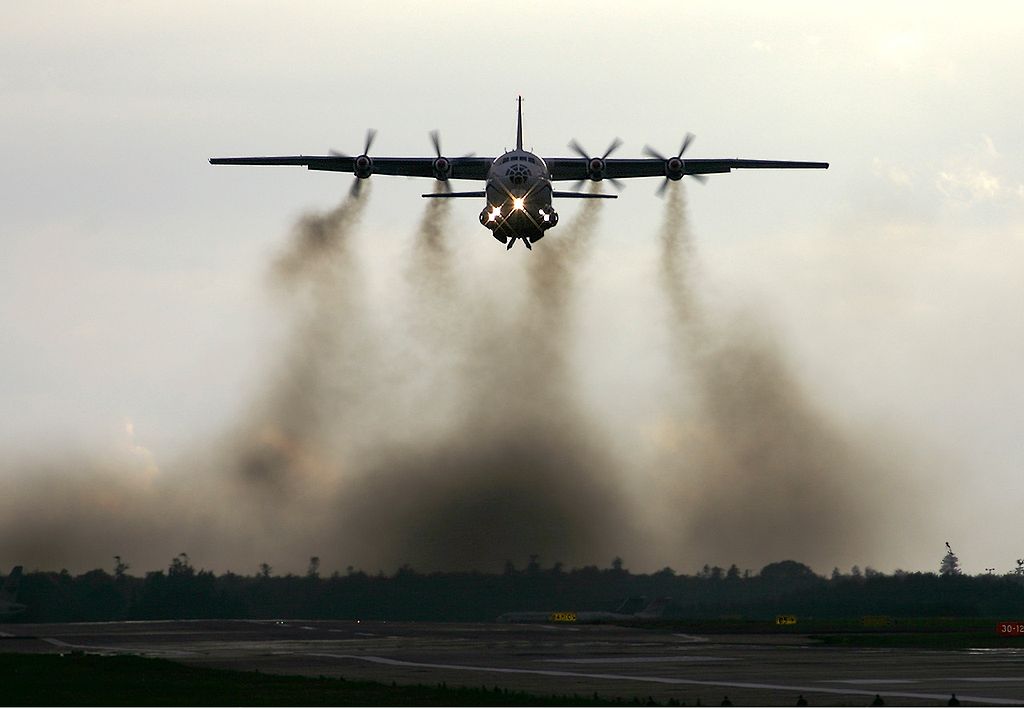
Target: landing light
(495,213)
(517,204)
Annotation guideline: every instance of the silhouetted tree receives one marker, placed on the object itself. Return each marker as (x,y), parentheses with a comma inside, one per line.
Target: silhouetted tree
(533,566)
(950,563)
(181,566)
(313,571)
(120,568)
(787,571)
(265,570)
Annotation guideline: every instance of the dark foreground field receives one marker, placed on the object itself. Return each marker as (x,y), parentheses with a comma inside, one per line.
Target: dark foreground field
(86,679)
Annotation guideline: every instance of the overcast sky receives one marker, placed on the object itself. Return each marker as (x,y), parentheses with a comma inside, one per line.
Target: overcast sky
(135,320)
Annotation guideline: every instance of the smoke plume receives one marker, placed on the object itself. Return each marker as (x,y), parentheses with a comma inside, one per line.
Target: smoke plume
(453,435)
(520,469)
(763,473)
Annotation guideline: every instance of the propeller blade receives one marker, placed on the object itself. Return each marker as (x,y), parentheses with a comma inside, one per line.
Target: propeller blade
(470,154)
(651,152)
(661,190)
(703,179)
(357,186)
(686,143)
(335,153)
(612,148)
(435,138)
(578,185)
(617,183)
(370,135)
(578,149)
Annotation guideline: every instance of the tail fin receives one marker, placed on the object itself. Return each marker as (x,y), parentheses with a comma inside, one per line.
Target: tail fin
(10,589)
(656,608)
(519,126)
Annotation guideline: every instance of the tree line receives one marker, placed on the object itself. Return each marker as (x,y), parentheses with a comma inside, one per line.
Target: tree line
(787,587)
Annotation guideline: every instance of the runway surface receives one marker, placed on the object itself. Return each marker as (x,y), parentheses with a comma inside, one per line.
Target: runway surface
(612,661)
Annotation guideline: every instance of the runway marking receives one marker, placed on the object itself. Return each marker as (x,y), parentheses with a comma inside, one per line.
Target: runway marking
(142,651)
(691,637)
(670,681)
(5,634)
(638,659)
(868,681)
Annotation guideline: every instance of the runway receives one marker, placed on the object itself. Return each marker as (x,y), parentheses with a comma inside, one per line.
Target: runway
(612,661)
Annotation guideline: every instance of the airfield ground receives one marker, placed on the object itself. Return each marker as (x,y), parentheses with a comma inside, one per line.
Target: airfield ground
(614,662)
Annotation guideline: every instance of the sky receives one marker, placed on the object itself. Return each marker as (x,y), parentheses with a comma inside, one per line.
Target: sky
(142,327)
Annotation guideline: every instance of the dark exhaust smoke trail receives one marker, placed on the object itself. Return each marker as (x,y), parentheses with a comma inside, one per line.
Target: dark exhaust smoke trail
(337,458)
(764,474)
(281,446)
(225,501)
(520,470)
(430,273)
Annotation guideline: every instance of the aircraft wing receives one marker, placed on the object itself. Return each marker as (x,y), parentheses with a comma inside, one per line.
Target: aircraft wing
(461,167)
(620,168)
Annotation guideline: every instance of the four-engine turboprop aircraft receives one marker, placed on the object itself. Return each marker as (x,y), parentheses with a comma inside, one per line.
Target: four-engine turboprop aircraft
(518,184)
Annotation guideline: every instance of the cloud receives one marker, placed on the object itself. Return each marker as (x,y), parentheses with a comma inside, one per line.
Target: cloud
(976,174)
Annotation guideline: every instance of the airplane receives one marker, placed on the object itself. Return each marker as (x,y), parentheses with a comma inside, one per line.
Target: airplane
(518,184)
(651,611)
(9,593)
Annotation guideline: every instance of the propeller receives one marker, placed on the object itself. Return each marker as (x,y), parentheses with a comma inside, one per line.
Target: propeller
(596,165)
(363,164)
(442,166)
(674,165)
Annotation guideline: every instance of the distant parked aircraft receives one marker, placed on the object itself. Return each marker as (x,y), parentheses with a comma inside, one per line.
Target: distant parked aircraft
(651,611)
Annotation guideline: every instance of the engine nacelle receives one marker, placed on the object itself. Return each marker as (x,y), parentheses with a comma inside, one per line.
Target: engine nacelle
(674,168)
(595,169)
(363,166)
(442,168)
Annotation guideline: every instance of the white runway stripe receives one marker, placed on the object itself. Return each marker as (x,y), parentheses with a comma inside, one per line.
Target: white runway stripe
(638,659)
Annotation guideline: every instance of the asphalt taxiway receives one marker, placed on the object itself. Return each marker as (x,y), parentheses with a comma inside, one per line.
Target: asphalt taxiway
(612,661)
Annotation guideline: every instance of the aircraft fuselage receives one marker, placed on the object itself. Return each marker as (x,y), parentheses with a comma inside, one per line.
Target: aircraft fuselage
(518,193)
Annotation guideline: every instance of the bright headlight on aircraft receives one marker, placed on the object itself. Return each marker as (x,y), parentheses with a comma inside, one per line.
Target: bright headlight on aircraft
(517,204)
(495,213)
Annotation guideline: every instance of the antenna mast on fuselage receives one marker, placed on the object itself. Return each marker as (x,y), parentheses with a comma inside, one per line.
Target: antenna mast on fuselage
(519,126)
